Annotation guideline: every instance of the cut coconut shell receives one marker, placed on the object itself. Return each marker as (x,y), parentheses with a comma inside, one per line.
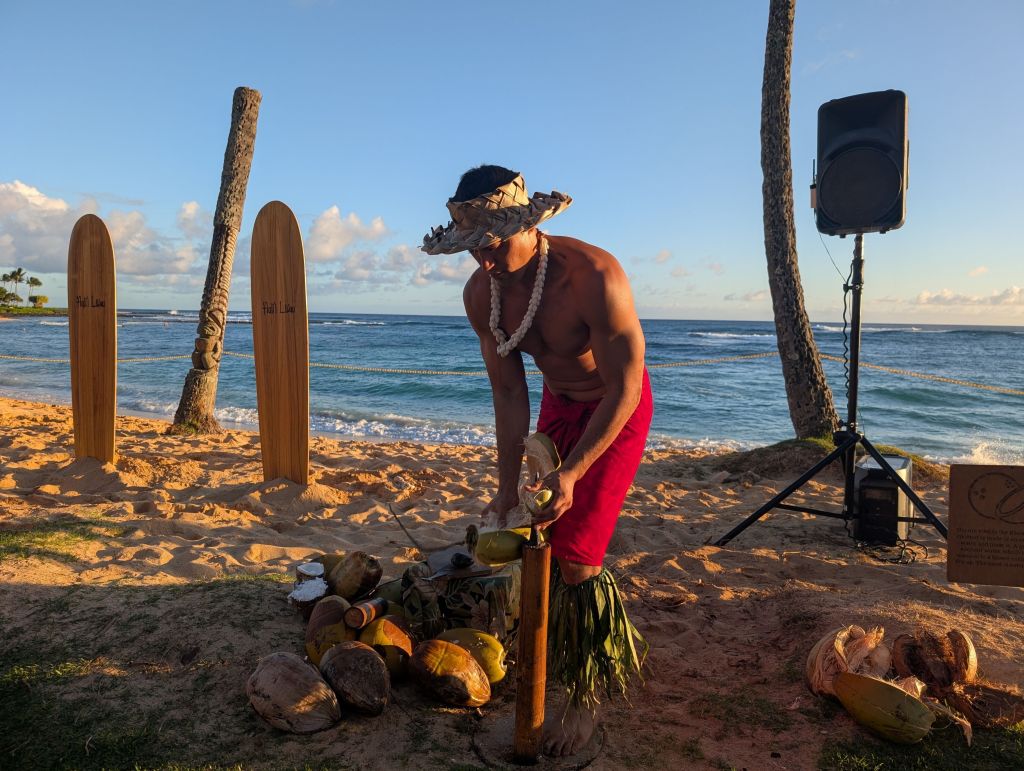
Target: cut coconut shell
(486,649)
(450,674)
(938,661)
(327,627)
(290,695)
(356,575)
(358,676)
(883,708)
(389,637)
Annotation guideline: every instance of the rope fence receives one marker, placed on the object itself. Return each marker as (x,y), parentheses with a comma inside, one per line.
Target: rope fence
(483,373)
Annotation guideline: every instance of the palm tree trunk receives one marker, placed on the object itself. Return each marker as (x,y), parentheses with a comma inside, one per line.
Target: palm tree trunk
(811,407)
(199,396)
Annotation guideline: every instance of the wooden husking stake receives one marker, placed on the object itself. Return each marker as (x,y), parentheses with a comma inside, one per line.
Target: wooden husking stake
(533,640)
(280,341)
(92,328)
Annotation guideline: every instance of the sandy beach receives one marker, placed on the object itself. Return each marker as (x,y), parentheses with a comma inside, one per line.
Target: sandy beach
(136,598)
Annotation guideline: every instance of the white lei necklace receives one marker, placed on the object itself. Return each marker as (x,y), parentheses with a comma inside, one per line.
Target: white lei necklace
(507,344)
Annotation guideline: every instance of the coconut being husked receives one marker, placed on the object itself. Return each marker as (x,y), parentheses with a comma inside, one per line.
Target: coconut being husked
(290,695)
(846,649)
(450,673)
(358,676)
(357,574)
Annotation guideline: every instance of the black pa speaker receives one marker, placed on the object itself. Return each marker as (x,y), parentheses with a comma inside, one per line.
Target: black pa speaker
(861,182)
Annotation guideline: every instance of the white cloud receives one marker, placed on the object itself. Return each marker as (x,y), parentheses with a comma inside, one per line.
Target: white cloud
(981,270)
(444,272)
(715,267)
(663,256)
(1013,295)
(331,234)
(34,228)
(194,221)
(757,296)
(680,272)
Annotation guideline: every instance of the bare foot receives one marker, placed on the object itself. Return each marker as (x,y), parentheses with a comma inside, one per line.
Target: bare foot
(569,729)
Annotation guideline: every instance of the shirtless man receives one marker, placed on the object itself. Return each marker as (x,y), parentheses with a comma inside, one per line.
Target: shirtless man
(568,304)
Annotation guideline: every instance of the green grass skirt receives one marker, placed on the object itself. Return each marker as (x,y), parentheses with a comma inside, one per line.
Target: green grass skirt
(593,648)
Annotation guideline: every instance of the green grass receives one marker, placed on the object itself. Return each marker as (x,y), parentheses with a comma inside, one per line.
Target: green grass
(996,750)
(741,708)
(56,539)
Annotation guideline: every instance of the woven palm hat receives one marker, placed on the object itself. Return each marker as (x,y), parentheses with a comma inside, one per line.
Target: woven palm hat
(489,219)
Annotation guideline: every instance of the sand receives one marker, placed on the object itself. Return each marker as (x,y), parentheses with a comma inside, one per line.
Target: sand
(139,600)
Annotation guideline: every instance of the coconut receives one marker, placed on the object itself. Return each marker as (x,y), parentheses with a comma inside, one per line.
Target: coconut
(327,627)
(883,708)
(390,591)
(497,547)
(358,676)
(485,648)
(541,455)
(450,673)
(846,649)
(938,661)
(329,561)
(290,695)
(389,636)
(357,574)
(306,594)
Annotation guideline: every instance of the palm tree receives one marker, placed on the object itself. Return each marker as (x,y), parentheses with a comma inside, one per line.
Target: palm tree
(17,277)
(199,394)
(5,279)
(811,407)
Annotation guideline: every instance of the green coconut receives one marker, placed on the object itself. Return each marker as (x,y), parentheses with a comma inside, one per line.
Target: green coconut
(327,627)
(883,708)
(450,673)
(485,648)
(389,636)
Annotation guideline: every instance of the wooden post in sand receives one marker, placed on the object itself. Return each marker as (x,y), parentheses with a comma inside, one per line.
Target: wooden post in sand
(280,337)
(92,328)
(533,640)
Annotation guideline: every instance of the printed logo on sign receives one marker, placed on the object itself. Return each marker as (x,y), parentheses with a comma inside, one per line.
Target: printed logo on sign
(88,301)
(271,308)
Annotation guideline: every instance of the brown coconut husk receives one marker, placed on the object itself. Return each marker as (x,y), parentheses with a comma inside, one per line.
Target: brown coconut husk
(450,674)
(358,676)
(938,661)
(987,704)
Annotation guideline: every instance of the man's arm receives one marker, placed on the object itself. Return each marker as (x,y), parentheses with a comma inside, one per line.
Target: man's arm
(509,393)
(617,343)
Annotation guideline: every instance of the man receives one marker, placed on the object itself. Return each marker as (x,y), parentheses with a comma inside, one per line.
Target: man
(568,304)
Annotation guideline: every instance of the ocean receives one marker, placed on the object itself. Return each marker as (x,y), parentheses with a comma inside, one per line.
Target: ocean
(733,404)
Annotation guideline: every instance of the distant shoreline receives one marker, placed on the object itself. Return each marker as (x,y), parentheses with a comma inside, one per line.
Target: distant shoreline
(17,313)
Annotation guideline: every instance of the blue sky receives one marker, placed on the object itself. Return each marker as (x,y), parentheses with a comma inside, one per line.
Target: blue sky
(647,113)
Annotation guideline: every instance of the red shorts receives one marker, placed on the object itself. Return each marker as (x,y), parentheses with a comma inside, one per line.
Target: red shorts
(583,532)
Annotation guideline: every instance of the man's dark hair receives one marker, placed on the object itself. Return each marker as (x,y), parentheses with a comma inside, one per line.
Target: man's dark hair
(482,179)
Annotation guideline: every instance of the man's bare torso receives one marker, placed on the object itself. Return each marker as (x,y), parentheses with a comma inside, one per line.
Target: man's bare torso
(559,338)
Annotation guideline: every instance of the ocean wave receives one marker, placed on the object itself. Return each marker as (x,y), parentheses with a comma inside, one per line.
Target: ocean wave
(831,328)
(53,323)
(730,334)
(993,452)
(349,323)
(707,444)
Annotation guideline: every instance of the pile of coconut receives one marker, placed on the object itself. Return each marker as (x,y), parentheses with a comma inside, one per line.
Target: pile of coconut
(358,642)
(898,691)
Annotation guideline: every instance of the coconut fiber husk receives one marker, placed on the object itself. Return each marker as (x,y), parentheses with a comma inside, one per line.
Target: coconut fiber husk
(593,648)
(986,704)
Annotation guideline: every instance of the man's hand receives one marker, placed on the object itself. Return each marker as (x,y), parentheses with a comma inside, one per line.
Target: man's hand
(561,484)
(499,507)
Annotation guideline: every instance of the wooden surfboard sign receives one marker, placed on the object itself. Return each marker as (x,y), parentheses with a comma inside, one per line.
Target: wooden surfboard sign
(92,328)
(280,336)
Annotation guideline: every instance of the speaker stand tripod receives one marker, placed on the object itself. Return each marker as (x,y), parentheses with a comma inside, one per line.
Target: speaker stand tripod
(847,439)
